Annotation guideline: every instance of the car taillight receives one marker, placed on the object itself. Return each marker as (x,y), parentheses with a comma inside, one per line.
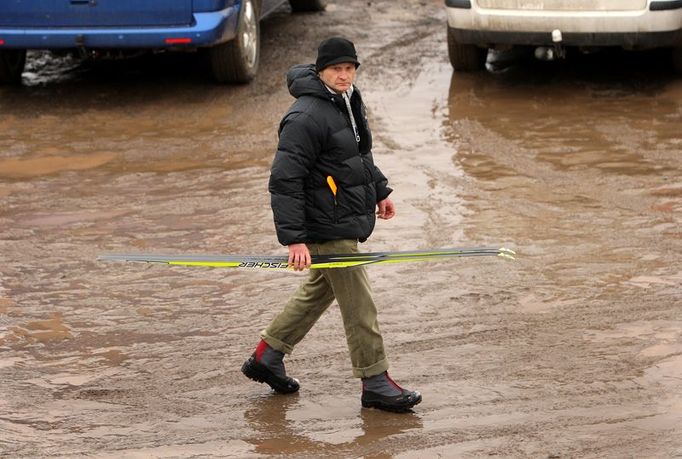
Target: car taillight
(178,41)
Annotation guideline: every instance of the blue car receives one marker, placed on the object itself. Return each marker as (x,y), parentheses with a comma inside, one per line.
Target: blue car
(229,30)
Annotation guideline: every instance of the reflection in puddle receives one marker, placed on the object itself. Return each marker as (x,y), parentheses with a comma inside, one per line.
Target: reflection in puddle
(411,152)
(569,125)
(567,168)
(289,425)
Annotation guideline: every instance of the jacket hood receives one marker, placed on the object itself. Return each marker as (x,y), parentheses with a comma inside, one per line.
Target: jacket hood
(303,80)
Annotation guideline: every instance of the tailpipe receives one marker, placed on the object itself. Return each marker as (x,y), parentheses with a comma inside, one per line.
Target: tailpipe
(549,53)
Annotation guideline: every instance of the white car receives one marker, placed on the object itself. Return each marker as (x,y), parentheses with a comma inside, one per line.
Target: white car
(552,26)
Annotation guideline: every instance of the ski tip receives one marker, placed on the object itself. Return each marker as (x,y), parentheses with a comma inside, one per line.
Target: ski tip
(506,253)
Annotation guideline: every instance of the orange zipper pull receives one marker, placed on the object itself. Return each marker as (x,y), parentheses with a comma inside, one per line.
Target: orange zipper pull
(332,185)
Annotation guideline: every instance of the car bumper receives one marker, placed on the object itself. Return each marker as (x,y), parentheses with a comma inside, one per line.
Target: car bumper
(631,29)
(207,29)
(624,40)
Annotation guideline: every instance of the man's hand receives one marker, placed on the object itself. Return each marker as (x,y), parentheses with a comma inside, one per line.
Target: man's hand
(299,256)
(385,209)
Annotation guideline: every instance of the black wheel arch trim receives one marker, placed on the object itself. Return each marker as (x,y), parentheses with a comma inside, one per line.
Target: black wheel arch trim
(465,4)
(665,5)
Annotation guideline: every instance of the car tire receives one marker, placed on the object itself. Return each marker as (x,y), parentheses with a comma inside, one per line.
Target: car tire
(465,57)
(236,61)
(12,62)
(302,6)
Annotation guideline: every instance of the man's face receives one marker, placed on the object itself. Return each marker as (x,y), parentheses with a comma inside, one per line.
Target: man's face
(339,77)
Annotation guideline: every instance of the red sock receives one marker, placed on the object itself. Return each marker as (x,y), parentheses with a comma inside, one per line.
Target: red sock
(262,346)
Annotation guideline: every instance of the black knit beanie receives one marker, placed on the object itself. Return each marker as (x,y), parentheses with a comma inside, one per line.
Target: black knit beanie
(335,50)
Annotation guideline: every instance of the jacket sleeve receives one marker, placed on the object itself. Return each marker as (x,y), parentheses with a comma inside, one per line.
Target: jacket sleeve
(381,184)
(299,146)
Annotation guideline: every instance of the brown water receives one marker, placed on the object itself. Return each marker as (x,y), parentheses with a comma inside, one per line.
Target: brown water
(573,350)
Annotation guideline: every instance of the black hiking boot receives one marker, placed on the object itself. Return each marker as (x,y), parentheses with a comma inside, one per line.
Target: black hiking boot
(402,403)
(266,366)
(383,393)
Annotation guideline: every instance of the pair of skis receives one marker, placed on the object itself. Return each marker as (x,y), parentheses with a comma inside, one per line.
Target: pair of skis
(345,260)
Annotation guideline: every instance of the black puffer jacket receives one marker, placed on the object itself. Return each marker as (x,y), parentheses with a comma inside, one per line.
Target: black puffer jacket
(316,140)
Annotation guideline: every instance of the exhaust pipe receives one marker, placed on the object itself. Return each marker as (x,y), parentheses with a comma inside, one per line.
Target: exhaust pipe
(544,53)
(547,53)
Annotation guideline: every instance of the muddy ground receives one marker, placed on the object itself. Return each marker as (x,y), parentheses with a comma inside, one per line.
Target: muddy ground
(573,350)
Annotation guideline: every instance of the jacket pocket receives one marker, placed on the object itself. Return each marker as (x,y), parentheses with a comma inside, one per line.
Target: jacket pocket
(336,207)
(333,189)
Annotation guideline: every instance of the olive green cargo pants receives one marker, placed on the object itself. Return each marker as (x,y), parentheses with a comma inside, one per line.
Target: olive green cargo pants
(350,287)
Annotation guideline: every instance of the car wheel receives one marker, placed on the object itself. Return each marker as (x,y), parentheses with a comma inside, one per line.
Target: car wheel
(12,63)
(465,57)
(300,6)
(236,61)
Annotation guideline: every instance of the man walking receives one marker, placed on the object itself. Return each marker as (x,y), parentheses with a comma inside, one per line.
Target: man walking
(325,192)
